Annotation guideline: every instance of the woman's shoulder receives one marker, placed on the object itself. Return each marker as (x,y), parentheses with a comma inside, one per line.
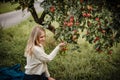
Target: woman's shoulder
(37,47)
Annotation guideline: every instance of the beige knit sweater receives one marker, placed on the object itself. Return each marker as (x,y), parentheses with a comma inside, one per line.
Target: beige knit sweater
(37,63)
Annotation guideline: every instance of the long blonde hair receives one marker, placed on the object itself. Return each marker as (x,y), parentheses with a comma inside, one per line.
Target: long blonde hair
(33,39)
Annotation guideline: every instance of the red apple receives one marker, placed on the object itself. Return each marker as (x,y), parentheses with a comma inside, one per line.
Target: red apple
(84,14)
(71,18)
(88,15)
(81,1)
(97,19)
(52,9)
(70,24)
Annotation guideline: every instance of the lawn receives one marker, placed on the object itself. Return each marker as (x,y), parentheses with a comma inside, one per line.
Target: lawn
(85,64)
(7,7)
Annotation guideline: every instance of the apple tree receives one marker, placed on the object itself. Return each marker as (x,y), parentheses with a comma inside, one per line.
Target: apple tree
(98,19)
(92,17)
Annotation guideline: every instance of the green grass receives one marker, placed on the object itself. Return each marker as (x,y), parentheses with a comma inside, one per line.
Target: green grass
(71,65)
(86,65)
(13,41)
(7,7)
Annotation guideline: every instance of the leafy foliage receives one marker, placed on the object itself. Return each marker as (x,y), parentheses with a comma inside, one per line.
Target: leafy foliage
(94,17)
(98,19)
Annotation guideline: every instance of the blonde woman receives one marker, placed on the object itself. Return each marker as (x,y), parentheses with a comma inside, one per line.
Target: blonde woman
(36,58)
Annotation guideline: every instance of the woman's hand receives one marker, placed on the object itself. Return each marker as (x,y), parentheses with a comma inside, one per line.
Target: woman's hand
(50,78)
(62,44)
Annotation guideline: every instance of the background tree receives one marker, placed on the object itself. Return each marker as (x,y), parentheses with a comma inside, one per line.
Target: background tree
(29,5)
(98,19)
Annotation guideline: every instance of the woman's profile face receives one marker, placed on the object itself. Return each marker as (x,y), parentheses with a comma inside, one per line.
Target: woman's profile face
(42,37)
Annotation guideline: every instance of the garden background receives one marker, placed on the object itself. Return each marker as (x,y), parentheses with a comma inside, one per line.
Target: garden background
(79,62)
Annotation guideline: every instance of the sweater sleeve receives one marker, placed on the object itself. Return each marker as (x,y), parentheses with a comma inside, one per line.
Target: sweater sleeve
(42,56)
(47,72)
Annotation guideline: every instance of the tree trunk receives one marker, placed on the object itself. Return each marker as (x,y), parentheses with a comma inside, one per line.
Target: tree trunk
(34,14)
(41,19)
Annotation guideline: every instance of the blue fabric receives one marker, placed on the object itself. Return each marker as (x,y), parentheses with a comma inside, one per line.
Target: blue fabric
(11,73)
